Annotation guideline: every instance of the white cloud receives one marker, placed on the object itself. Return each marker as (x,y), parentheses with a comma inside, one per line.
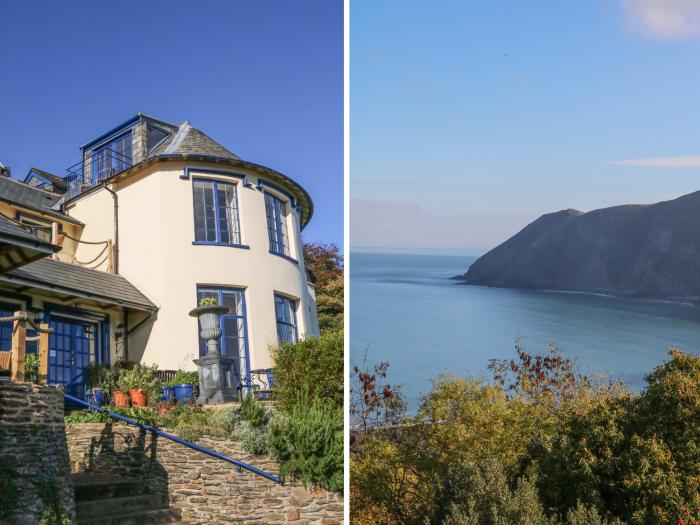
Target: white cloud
(664,19)
(688,161)
(398,224)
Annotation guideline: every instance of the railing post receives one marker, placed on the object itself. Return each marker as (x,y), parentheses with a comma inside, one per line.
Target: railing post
(19,346)
(44,353)
(110,256)
(54,238)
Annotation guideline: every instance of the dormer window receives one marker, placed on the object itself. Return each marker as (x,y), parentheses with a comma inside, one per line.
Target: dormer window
(111,158)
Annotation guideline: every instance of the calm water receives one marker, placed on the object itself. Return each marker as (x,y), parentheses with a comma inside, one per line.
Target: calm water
(408,312)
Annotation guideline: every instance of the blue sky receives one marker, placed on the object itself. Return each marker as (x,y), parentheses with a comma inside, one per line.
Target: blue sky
(471,119)
(263,78)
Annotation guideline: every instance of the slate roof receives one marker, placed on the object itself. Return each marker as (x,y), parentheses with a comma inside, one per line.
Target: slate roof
(24,195)
(19,246)
(8,228)
(70,279)
(190,141)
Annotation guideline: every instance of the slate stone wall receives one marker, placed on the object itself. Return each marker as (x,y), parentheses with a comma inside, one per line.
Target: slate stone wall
(34,466)
(202,488)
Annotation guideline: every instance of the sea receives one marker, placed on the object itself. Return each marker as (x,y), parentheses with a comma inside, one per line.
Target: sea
(405,309)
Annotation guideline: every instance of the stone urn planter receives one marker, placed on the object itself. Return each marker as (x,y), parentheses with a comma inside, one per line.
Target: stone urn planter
(215,381)
(210,327)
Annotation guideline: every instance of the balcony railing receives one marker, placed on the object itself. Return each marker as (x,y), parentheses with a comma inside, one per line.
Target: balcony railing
(95,168)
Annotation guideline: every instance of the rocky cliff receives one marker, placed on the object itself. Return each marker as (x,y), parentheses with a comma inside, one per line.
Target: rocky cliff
(631,250)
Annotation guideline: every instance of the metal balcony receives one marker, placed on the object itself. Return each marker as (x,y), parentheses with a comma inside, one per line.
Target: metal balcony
(95,168)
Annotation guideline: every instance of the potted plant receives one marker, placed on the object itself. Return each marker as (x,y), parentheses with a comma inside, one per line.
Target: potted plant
(183,384)
(122,385)
(168,390)
(96,377)
(209,312)
(145,385)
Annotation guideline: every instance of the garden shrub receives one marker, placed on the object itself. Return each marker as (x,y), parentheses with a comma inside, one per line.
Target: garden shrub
(184,378)
(309,443)
(253,412)
(189,432)
(54,511)
(254,440)
(480,494)
(584,452)
(312,368)
(250,422)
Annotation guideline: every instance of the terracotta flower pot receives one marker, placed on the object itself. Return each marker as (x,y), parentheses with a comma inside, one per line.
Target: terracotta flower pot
(164,408)
(138,397)
(121,399)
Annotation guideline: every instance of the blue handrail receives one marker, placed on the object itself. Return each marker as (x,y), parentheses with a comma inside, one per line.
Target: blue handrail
(239,464)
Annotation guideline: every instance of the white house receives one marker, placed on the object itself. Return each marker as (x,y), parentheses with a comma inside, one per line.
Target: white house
(153,218)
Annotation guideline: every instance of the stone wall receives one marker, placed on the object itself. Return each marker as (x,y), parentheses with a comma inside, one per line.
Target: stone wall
(34,467)
(202,488)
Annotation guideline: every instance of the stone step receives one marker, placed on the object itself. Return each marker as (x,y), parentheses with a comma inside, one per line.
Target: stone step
(136,518)
(114,506)
(90,487)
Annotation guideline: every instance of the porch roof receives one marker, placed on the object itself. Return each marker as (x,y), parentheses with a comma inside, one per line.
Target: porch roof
(19,247)
(70,280)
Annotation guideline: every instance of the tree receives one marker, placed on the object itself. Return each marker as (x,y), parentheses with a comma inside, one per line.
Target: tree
(373,402)
(326,264)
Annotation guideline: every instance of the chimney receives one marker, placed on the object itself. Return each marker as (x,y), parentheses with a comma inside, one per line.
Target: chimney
(4,170)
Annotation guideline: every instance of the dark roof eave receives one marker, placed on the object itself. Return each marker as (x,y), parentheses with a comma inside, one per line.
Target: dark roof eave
(39,285)
(297,189)
(30,244)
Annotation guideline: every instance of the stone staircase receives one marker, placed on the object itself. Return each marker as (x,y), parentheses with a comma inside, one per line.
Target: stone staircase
(108,500)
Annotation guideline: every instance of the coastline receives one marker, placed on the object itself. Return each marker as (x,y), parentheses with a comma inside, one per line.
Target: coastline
(613,294)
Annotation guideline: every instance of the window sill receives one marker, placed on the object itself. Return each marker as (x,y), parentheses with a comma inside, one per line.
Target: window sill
(285,257)
(204,243)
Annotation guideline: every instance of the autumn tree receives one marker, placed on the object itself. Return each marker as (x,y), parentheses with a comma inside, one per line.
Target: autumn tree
(326,266)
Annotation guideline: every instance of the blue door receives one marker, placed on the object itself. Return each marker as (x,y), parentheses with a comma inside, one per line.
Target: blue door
(72,347)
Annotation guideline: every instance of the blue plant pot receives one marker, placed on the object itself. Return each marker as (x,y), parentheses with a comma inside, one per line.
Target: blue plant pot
(168,393)
(96,396)
(183,393)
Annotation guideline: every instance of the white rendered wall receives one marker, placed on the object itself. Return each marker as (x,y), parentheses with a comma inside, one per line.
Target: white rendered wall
(156,254)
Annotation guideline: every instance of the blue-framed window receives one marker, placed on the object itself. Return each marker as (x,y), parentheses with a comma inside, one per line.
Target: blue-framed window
(39,227)
(111,158)
(234,329)
(286,315)
(7,310)
(275,209)
(216,212)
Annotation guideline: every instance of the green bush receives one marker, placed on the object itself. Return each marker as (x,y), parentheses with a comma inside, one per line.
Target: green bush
(140,376)
(31,361)
(541,437)
(254,440)
(184,378)
(250,426)
(481,494)
(309,443)
(253,412)
(310,369)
